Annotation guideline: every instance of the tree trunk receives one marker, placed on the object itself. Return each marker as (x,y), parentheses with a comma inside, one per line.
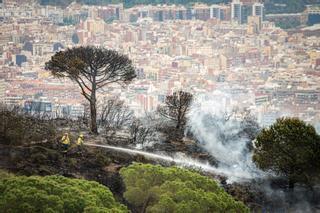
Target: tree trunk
(178,122)
(291,184)
(145,205)
(93,111)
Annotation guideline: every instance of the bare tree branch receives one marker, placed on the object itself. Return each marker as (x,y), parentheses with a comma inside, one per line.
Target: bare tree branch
(176,107)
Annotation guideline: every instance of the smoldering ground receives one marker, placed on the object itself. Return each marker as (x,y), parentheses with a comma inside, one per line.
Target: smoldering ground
(228,136)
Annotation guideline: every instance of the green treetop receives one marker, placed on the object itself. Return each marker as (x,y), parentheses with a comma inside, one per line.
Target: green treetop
(159,189)
(290,148)
(55,194)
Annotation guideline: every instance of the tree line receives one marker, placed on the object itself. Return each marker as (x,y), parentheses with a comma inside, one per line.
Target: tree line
(272,6)
(148,188)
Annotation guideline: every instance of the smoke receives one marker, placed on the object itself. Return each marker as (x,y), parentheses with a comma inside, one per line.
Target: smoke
(179,159)
(215,125)
(220,129)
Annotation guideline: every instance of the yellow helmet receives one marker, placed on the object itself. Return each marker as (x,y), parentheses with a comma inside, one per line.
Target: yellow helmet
(81,135)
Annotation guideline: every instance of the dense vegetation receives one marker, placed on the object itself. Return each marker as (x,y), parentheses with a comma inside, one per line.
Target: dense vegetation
(159,189)
(285,6)
(54,194)
(291,148)
(272,6)
(288,23)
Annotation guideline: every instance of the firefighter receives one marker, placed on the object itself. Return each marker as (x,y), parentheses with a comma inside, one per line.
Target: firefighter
(65,140)
(80,140)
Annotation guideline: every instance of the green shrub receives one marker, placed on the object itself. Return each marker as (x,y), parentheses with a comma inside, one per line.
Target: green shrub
(55,194)
(159,189)
(4,174)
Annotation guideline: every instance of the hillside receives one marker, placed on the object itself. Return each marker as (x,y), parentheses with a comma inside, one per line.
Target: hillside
(151,174)
(272,6)
(52,175)
(102,166)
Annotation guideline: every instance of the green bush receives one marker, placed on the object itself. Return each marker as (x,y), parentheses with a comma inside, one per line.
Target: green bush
(55,194)
(4,174)
(159,189)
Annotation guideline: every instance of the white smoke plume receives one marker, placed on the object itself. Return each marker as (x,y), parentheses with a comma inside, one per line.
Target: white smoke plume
(212,122)
(179,159)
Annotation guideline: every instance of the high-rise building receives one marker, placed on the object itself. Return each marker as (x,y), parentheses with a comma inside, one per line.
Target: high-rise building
(258,10)
(189,13)
(255,23)
(119,12)
(245,13)
(20,59)
(241,10)
(225,12)
(249,1)
(2,90)
(236,11)
(107,13)
(313,15)
(202,12)
(216,12)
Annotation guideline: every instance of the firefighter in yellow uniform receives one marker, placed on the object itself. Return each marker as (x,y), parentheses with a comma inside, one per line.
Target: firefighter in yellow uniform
(65,140)
(80,145)
(80,140)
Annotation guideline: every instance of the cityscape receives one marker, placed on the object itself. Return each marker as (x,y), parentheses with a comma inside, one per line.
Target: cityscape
(160,106)
(234,52)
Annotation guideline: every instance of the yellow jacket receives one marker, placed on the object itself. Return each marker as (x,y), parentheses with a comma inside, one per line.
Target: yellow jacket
(65,140)
(80,141)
